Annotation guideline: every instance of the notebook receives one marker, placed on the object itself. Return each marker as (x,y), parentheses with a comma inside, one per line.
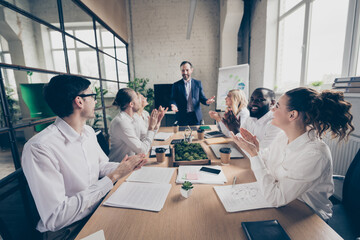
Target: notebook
(162,136)
(264,230)
(153,153)
(234,152)
(214,134)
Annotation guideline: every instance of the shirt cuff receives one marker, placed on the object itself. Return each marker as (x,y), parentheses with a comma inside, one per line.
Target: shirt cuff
(151,134)
(106,184)
(256,163)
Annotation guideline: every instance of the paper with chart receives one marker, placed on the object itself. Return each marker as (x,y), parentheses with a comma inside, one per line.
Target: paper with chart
(241,197)
(234,77)
(151,175)
(194,175)
(143,196)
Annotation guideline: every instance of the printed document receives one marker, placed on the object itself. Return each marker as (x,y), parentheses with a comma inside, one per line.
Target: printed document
(241,197)
(151,175)
(143,196)
(194,175)
(162,136)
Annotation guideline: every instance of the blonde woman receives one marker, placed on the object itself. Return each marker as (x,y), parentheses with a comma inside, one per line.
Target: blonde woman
(236,112)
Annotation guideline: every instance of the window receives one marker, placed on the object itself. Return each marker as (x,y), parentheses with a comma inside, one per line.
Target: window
(314,43)
(32,51)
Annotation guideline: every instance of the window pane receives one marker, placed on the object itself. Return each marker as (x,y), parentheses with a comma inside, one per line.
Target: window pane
(358,65)
(28,42)
(73,61)
(88,63)
(108,69)
(112,88)
(56,40)
(120,50)
(107,38)
(25,96)
(6,159)
(123,72)
(327,38)
(286,5)
(290,50)
(59,60)
(76,19)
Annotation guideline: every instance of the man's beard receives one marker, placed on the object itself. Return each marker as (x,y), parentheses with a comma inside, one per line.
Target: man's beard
(260,112)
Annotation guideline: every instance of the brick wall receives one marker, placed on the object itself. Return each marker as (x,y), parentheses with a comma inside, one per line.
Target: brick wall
(159,42)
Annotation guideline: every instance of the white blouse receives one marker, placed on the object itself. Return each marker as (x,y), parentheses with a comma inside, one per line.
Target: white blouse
(300,170)
(242,115)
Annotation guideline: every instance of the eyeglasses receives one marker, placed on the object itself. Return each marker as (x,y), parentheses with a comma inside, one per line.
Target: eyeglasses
(88,95)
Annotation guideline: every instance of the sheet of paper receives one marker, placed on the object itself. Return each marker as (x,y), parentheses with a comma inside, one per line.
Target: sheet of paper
(143,196)
(151,175)
(234,152)
(99,235)
(202,177)
(153,153)
(162,136)
(241,197)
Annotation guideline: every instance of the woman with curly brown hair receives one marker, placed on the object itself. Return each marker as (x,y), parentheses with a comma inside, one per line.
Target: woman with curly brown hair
(298,164)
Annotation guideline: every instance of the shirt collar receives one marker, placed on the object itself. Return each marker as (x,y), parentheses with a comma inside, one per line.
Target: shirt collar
(189,82)
(123,113)
(301,140)
(263,119)
(69,133)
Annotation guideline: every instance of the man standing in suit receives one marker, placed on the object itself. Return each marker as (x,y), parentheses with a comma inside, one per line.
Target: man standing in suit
(186,96)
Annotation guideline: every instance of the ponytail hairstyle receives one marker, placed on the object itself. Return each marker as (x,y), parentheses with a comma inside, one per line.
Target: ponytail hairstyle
(238,99)
(322,111)
(123,98)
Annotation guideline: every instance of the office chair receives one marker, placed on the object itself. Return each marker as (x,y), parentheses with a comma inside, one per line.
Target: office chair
(18,213)
(104,144)
(346,214)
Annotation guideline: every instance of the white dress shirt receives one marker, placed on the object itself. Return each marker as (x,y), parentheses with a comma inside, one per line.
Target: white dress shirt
(262,128)
(300,170)
(144,123)
(190,107)
(125,137)
(242,115)
(63,169)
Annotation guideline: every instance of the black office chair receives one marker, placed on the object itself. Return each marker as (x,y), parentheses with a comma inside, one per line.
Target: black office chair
(346,214)
(104,144)
(18,213)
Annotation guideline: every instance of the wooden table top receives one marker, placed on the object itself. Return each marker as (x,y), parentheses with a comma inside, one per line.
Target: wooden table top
(202,215)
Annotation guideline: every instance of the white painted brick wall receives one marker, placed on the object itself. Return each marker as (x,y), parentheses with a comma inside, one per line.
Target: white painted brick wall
(160,44)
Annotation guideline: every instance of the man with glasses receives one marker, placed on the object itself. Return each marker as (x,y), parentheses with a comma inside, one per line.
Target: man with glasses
(67,171)
(259,122)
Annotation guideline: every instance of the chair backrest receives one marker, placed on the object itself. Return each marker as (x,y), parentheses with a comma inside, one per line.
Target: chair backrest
(351,188)
(104,144)
(18,214)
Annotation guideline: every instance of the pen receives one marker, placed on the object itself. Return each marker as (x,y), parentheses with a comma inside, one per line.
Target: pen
(234,182)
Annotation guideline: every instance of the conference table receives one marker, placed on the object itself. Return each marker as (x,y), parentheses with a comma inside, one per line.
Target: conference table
(202,215)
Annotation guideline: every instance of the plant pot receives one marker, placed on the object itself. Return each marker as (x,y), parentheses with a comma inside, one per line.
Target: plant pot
(185,193)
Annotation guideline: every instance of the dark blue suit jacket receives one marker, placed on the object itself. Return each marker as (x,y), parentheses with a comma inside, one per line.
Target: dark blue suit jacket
(178,98)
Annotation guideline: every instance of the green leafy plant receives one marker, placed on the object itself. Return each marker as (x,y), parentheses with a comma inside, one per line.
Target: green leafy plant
(139,85)
(97,121)
(317,83)
(189,151)
(13,106)
(187,185)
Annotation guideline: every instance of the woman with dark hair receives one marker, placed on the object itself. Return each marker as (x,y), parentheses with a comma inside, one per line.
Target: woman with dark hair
(298,164)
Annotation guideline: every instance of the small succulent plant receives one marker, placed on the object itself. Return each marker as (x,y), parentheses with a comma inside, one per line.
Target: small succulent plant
(187,185)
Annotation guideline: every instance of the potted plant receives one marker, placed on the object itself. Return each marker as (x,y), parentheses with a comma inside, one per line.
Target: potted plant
(317,85)
(186,189)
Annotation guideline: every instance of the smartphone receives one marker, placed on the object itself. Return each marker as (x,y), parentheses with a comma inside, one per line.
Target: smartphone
(210,170)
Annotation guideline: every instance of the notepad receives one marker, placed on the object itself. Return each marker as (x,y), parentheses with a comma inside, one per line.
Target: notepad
(188,173)
(162,136)
(142,196)
(99,235)
(235,153)
(241,197)
(167,152)
(151,175)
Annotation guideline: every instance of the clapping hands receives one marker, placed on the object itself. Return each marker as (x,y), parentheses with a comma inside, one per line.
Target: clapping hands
(247,142)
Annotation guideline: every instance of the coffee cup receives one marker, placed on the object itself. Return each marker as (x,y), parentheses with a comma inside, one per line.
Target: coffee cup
(160,154)
(225,155)
(200,134)
(175,128)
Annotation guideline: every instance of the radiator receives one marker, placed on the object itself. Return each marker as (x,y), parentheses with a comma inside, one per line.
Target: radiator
(342,153)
